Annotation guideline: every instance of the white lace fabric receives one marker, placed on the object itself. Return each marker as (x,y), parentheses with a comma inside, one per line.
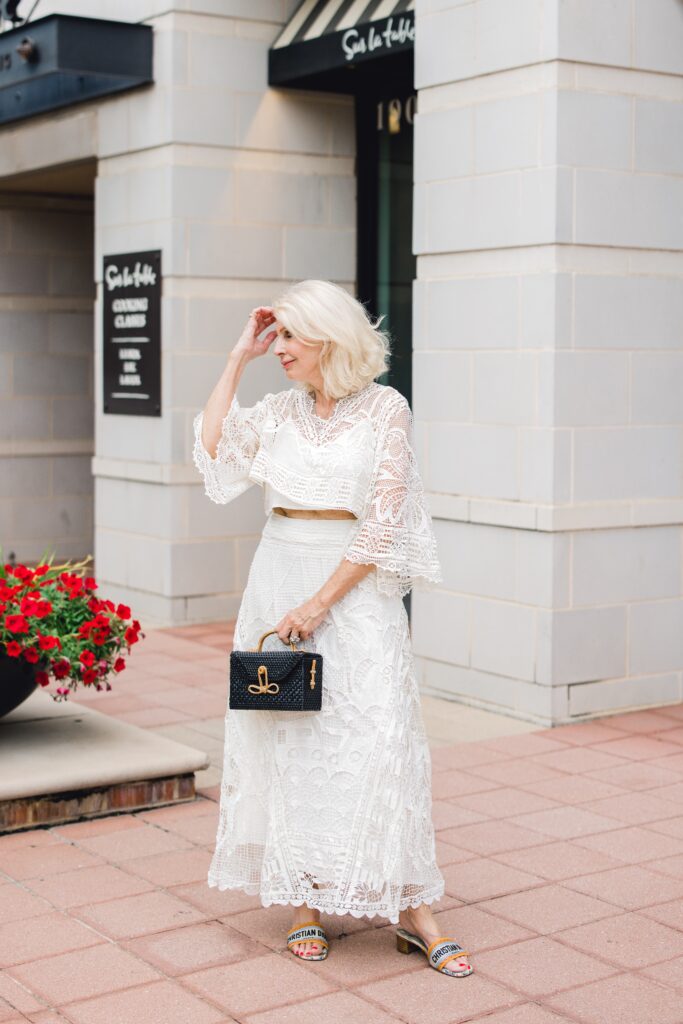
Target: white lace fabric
(360,458)
(331,808)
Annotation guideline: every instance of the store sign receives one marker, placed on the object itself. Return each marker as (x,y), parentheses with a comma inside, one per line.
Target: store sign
(131,300)
(379,39)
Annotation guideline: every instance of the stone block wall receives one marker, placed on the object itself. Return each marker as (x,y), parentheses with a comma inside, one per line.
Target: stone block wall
(548,359)
(244,189)
(46,370)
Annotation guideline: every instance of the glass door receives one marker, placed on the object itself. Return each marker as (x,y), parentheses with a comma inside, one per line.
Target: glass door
(384,165)
(386,264)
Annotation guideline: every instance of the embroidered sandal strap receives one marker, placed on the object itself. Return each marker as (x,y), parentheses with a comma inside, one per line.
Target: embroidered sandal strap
(303,924)
(439,950)
(307,932)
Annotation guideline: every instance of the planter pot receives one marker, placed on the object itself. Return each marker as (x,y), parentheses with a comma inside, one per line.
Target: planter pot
(17,681)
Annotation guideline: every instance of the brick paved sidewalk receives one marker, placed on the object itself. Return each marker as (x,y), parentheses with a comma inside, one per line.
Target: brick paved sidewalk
(562,851)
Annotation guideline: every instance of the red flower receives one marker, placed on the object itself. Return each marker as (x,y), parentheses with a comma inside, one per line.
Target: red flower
(42,569)
(42,678)
(90,583)
(13,648)
(87,658)
(16,624)
(48,643)
(84,629)
(89,675)
(61,668)
(31,655)
(73,583)
(22,573)
(131,636)
(123,611)
(100,635)
(119,664)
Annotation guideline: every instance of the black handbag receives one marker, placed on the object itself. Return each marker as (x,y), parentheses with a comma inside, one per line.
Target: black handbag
(276,680)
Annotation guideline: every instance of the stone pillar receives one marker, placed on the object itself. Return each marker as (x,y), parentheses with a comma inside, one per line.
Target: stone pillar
(548,371)
(242,188)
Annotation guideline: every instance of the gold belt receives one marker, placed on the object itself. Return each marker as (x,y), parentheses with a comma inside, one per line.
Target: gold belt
(314,513)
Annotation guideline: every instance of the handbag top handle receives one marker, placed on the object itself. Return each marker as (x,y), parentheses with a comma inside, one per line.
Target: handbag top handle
(260,643)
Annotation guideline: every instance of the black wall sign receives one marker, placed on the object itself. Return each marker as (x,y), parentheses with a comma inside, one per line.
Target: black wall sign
(131,299)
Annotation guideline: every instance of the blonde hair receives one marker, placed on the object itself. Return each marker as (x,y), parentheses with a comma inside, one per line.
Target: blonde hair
(354,352)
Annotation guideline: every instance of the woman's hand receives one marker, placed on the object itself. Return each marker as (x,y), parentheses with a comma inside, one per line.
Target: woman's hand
(308,616)
(302,620)
(249,344)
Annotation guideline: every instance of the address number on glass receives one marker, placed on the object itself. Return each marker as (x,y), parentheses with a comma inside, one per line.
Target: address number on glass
(394,113)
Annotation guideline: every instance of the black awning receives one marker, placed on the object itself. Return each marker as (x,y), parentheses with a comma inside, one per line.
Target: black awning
(328,35)
(62,59)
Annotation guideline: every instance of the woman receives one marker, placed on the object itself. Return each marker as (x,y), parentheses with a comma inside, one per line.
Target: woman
(331,810)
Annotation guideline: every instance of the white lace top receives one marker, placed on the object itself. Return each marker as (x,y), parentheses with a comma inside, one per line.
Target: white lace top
(360,458)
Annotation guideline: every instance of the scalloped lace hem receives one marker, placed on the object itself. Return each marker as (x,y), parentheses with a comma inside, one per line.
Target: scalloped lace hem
(391,578)
(316,902)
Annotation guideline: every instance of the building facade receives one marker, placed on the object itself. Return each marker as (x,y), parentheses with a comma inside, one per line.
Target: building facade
(503,179)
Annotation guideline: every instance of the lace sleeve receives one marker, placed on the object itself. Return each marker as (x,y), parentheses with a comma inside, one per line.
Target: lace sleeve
(395,530)
(227,476)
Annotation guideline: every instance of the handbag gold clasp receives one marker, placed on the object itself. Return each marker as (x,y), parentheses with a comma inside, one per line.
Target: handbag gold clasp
(313,675)
(263,686)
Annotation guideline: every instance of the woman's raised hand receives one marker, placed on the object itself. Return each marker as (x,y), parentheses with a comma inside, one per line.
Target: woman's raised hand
(249,343)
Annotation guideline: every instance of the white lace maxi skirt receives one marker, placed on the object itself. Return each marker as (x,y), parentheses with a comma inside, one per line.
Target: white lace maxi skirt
(330,807)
